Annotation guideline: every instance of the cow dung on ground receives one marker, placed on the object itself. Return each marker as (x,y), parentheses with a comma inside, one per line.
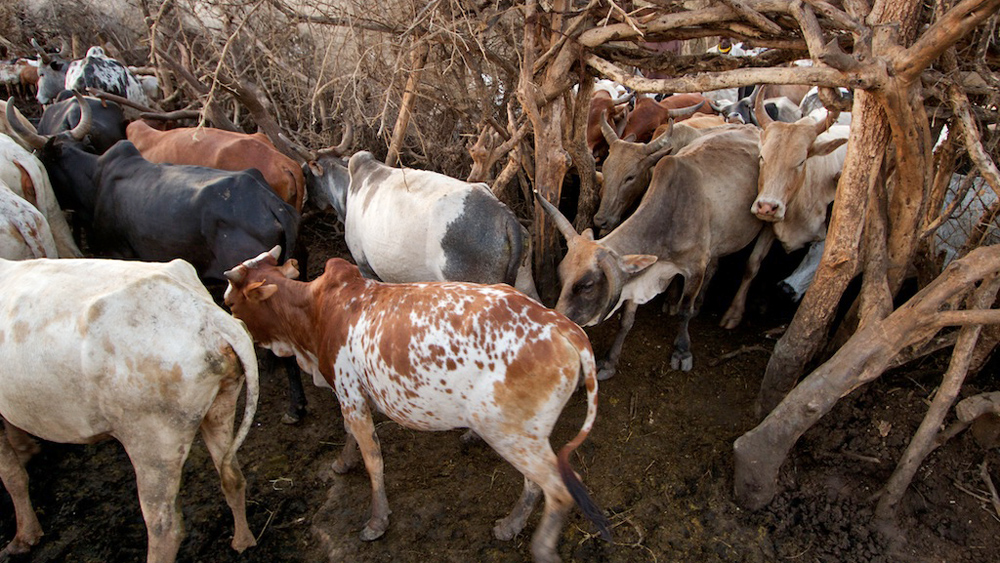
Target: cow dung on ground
(659,461)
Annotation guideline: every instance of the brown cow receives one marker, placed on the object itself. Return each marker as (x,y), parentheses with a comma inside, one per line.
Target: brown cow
(649,114)
(603,109)
(224,150)
(433,356)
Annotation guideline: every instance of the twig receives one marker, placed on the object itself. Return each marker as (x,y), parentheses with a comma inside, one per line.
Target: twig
(270,516)
(741,350)
(994,498)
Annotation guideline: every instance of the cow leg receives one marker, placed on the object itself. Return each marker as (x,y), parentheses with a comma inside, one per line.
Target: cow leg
(359,422)
(682,359)
(158,465)
(512,525)
(22,442)
(217,431)
(349,456)
(535,460)
(734,315)
(15,479)
(296,394)
(606,369)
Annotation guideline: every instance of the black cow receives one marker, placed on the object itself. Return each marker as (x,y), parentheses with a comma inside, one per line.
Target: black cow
(158,212)
(107,121)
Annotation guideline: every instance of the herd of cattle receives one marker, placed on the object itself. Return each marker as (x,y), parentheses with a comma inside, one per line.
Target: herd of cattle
(420,327)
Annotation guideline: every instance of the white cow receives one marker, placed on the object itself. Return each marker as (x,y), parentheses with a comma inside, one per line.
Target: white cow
(130,350)
(23,173)
(24,232)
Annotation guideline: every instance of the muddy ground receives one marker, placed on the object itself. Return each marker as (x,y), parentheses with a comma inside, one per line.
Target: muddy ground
(659,462)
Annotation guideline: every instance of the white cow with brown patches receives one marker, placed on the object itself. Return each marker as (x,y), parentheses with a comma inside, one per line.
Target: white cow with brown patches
(130,350)
(24,232)
(433,356)
(24,174)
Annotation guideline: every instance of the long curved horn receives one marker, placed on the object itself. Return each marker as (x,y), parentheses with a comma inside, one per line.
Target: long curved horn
(82,128)
(619,101)
(759,111)
(661,141)
(42,55)
(685,112)
(22,128)
(562,223)
(609,265)
(609,133)
(345,143)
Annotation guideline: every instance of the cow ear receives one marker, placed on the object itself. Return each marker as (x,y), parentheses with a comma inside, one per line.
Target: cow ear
(315,167)
(823,148)
(634,263)
(588,234)
(258,292)
(290,269)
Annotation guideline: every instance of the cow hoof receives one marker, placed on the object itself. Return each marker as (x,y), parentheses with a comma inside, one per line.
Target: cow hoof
(340,467)
(503,531)
(470,437)
(290,419)
(731,320)
(682,361)
(374,531)
(605,373)
(242,541)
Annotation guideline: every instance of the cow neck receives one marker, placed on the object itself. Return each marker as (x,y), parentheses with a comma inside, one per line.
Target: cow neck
(80,169)
(295,313)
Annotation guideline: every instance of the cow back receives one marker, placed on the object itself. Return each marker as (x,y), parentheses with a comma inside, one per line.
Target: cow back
(211,218)
(409,225)
(224,150)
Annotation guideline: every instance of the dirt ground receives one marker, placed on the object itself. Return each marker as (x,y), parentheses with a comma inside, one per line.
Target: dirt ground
(659,462)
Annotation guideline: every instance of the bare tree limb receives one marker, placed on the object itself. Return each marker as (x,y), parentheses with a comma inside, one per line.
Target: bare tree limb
(942,34)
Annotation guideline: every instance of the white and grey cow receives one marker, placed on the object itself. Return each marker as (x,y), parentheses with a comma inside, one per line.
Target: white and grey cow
(134,351)
(404,225)
(95,70)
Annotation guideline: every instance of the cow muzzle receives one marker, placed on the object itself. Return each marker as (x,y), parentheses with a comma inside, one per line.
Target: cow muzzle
(768,209)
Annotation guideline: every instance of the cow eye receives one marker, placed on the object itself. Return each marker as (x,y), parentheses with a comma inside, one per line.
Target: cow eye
(801,163)
(585,286)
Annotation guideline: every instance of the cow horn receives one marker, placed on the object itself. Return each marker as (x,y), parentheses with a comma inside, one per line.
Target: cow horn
(22,128)
(609,133)
(609,265)
(82,128)
(562,223)
(685,112)
(275,252)
(236,275)
(661,141)
(716,107)
(345,143)
(42,55)
(824,124)
(306,154)
(628,96)
(759,111)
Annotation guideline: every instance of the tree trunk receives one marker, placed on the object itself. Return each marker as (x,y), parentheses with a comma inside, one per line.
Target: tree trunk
(419,59)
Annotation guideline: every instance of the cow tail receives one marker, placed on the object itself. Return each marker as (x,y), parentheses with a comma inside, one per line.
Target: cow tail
(588,367)
(516,239)
(242,343)
(289,219)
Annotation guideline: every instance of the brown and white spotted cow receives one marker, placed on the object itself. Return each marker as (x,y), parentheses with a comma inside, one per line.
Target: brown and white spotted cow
(134,351)
(433,356)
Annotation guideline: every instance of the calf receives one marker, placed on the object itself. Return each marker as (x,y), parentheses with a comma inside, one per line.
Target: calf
(433,356)
(134,351)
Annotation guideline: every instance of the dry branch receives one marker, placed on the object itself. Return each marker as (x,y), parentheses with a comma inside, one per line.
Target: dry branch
(760,452)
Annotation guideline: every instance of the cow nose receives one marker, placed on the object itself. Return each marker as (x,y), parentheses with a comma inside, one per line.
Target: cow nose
(766,209)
